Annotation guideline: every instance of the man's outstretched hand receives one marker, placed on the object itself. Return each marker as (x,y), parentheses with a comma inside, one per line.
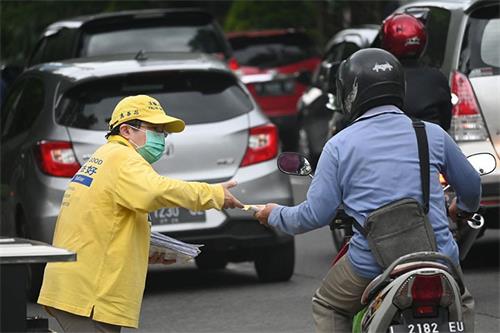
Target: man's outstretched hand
(230,200)
(263,214)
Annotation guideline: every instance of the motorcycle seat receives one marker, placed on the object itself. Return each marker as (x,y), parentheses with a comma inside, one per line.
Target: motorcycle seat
(378,283)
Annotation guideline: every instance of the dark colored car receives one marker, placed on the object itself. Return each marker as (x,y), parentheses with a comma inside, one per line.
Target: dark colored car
(56,115)
(319,121)
(276,66)
(152,30)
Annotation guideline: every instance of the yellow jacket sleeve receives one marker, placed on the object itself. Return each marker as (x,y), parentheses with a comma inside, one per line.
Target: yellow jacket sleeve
(139,187)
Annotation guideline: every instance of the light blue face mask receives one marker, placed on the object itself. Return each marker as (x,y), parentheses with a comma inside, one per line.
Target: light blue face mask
(153,148)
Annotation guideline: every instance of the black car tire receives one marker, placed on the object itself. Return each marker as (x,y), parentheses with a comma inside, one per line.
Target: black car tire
(276,263)
(211,261)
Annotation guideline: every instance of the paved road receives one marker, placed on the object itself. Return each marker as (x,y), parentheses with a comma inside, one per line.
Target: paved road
(184,299)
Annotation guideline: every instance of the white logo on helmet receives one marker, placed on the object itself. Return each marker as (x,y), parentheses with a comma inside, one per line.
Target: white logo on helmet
(412,41)
(383,67)
(352,96)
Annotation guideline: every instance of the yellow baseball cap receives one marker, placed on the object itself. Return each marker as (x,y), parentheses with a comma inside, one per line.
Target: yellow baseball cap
(145,108)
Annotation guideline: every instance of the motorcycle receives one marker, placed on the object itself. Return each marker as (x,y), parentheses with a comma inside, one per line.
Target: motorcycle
(419,292)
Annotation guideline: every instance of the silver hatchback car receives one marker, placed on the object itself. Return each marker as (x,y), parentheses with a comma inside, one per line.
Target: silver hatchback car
(56,115)
(464,42)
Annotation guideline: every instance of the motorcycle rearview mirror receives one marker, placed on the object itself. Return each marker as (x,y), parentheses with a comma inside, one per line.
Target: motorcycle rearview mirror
(483,163)
(294,164)
(331,86)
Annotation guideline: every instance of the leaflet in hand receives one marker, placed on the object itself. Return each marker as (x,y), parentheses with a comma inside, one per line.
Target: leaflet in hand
(253,208)
(173,248)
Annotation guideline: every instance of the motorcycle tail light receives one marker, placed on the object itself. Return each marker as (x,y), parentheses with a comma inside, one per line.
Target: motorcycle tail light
(467,124)
(428,292)
(56,158)
(423,292)
(262,145)
(427,288)
(426,311)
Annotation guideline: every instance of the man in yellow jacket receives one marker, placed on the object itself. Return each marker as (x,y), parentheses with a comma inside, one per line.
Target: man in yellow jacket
(103,219)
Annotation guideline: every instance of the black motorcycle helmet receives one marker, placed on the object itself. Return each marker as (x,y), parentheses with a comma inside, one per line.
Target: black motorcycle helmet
(369,78)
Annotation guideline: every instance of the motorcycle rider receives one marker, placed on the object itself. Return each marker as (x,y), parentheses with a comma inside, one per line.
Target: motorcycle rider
(428,95)
(372,162)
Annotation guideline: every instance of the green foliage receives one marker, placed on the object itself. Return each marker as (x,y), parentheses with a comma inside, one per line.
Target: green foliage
(253,15)
(21,21)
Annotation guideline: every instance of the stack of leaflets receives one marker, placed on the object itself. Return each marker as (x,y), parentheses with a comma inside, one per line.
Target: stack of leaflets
(173,248)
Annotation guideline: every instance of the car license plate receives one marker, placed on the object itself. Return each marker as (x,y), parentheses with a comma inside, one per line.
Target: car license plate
(176,215)
(449,327)
(275,88)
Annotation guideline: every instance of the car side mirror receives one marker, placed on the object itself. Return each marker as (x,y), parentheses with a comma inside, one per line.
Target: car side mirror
(294,164)
(483,163)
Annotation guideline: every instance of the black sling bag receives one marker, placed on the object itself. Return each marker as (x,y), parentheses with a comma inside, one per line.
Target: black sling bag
(402,226)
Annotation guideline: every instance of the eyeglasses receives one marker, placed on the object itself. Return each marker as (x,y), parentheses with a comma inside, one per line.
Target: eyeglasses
(156,129)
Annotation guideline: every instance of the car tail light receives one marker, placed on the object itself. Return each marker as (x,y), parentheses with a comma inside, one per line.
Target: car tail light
(233,64)
(467,123)
(262,145)
(56,158)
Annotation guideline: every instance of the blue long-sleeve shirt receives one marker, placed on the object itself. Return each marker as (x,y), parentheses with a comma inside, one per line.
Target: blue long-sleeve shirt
(372,163)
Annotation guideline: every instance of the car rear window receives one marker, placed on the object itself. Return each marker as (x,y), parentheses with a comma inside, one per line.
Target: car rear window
(272,51)
(151,36)
(437,21)
(480,54)
(195,97)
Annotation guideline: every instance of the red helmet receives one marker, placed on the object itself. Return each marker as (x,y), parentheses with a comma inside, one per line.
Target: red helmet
(403,35)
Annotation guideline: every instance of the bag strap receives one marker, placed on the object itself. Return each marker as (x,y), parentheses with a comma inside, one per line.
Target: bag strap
(360,228)
(423,155)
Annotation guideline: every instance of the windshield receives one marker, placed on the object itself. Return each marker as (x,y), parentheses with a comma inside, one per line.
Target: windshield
(152,39)
(195,97)
(480,53)
(272,51)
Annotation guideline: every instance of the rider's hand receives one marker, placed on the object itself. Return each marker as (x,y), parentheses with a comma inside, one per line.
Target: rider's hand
(230,201)
(159,258)
(458,216)
(263,214)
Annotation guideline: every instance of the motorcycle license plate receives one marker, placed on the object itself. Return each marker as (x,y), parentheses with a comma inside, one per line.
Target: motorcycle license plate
(449,327)
(176,215)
